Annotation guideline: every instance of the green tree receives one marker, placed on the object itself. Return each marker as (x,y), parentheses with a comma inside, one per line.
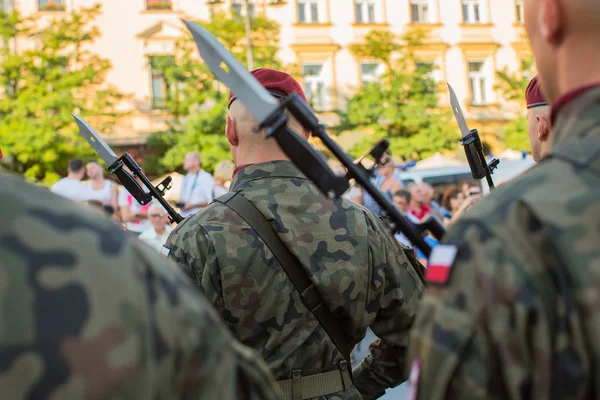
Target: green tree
(43,85)
(197,101)
(403,106)
(513,86)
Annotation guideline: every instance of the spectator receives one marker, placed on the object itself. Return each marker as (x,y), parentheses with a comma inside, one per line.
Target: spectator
(402,200)
(133,214)
(71,187)
(428,193)
(417,206)
(197,187)
(468,185)
(223,174)
(103,190)
(386,180)
(453,200)
(157,234)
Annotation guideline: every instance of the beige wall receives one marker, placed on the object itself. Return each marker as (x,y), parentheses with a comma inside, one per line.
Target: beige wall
(130,34)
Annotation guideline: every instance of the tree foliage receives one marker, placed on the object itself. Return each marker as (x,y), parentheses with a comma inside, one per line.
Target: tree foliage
(513,86)
(403,106)
(197,101)
(43,85)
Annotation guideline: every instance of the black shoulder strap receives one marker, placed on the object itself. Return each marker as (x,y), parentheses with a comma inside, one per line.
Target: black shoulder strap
(292,267)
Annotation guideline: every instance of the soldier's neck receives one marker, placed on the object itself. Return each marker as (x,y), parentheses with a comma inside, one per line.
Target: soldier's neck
(256,157)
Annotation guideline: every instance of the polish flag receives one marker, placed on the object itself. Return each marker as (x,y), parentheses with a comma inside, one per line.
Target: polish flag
(440,264)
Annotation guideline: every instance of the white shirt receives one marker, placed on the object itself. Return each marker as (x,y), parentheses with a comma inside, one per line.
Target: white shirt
(155,240)
(104,195)
(196,188)
(72,189)
(126,199)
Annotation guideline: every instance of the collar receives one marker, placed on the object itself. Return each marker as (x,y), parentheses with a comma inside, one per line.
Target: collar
(239,168)
(573,112)
(271,169)
(564,100)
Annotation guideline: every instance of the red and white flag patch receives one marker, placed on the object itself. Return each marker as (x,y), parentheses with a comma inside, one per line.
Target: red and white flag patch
(440,264)
(413,380)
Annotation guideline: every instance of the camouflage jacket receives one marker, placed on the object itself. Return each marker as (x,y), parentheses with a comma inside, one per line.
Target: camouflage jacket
(87,312)
(518,316)
(363,274)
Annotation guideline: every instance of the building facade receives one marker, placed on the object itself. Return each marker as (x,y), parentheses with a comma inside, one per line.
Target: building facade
(468,41)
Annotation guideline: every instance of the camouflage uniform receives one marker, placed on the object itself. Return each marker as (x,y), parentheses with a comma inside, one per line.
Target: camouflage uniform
(518,317)
(86,312)
(363,274)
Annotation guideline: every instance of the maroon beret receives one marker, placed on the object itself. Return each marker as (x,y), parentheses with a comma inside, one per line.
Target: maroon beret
(534,95)
(278,83)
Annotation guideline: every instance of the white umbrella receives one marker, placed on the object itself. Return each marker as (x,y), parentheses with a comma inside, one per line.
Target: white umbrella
(438,161)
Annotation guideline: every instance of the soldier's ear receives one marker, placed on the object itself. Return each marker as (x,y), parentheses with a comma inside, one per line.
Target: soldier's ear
(543,128)
(552,19)
(231,132)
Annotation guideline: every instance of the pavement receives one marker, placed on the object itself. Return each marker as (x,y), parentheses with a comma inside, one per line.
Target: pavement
(361,351)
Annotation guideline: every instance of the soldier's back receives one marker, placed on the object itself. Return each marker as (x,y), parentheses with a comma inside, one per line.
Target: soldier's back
(87,312)
(365,277)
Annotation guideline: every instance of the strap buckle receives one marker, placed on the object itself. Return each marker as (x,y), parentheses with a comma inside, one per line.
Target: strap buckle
(311,297)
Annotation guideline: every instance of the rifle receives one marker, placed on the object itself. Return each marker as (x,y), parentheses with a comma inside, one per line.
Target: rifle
(273,118)
(116,166)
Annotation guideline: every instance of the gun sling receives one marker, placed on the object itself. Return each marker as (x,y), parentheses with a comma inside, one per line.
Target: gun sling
(299,387)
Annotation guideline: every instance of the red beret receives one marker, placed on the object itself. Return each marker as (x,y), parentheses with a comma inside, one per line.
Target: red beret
(278,83)
(534,95)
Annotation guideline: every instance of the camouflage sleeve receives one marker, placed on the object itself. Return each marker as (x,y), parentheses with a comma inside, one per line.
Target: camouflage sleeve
(484,332)
(191,248)
(396,289)
(87,312)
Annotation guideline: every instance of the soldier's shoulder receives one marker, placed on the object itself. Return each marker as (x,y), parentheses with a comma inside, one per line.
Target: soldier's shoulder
(215,216)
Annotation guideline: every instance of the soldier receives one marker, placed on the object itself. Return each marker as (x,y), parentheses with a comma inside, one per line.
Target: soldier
(538,120)
(349,259)
(511,310)
(88,312)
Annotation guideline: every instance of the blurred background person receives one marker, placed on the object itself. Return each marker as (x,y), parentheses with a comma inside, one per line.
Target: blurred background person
(71,186)
(197,187)
(452,201)
(132,213)
(101,189)
(386,180)
(417,205)
(156,235)
(439,211)
(222,176)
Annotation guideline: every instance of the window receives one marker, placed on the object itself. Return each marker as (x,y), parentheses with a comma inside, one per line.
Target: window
(237,9)
(365,11)
(314,85)
(471,11)
(519,11)
(420,11)
(370,72)
(308,11)
(480,83)
(158,4)
(160,86)
(51,5)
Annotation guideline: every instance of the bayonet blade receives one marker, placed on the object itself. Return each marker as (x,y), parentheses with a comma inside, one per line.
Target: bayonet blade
(99,145)
(460,118)
(246,88)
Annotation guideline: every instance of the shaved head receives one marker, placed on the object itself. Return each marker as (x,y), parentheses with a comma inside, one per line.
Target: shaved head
(565,40)
(247,144)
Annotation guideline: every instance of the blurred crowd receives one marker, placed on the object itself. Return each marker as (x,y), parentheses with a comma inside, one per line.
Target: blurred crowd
(417,202)
(149,221)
